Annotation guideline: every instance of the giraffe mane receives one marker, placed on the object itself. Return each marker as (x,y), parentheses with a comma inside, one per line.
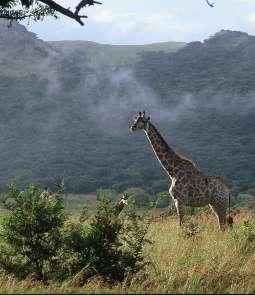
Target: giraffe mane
(187,159)
(179,155)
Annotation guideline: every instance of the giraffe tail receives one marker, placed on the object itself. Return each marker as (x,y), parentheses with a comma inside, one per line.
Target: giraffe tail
(230,219)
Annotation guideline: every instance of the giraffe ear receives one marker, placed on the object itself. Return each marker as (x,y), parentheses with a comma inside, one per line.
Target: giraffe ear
(140,114)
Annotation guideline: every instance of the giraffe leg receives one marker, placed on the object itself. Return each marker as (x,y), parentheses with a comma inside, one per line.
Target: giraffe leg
(180,210)
(220,212)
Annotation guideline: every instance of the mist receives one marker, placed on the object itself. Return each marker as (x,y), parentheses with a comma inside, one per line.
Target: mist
(66,114)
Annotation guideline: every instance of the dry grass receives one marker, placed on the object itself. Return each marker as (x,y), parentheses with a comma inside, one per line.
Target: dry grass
(210,261)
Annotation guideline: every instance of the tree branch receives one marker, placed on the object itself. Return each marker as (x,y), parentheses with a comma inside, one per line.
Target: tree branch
(64,11)
(209,3)
(83,4)
(75,15)
(16,15)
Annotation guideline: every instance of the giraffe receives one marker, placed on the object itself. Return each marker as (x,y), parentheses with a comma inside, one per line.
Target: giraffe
(120,204)
(189,186)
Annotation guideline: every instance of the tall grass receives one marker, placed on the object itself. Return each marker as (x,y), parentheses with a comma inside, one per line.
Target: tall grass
(197,258)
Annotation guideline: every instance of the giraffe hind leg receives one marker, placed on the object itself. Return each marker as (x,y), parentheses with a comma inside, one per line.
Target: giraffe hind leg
(220,212)
(180,211)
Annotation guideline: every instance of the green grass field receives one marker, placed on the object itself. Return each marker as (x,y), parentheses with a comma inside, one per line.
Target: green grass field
(195,259)
(74,202)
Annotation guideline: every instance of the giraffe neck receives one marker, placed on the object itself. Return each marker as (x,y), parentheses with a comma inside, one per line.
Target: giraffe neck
(164,153)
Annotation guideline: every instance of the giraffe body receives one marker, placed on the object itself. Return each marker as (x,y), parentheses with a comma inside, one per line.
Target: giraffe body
(199,191)
(189,186)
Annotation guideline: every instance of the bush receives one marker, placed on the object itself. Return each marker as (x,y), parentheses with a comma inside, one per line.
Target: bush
(163,199)
(35,239)
(108,246)
(133,234)
(30,234)
(248,234)
(190,229)
(108,193)
(142,198)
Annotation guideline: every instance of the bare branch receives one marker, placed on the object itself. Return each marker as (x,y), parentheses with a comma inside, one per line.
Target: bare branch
(84,3)
(209,3)
(64,11)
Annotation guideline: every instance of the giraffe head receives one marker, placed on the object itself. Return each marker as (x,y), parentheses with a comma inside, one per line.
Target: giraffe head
(140,122)
(124,199)
(120,204)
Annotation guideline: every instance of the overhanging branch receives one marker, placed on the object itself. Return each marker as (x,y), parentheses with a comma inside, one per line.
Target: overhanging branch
(209,3)
(53,6)
(75,15)
(84,3)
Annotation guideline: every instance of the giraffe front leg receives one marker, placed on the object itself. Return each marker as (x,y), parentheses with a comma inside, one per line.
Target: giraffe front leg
(180,210)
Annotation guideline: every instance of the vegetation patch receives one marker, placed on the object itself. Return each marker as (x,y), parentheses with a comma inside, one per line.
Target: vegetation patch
(39,242)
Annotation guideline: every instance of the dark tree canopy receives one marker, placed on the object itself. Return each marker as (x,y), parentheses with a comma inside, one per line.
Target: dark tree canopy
(38,9)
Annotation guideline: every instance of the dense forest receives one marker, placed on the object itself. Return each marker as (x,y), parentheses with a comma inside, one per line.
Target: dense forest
(66,108)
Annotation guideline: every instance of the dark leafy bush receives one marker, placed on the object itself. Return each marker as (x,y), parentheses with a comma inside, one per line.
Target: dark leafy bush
(248,234)
(142,198)
(134,231)
(84,213)
(163,199)
(30,233)
(108,246)
(35,239)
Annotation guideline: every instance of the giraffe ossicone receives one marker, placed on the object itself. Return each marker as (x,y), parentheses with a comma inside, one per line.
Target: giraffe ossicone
(189,185)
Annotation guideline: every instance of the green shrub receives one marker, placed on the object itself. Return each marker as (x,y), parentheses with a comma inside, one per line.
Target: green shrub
(108,245)
(248,234)
(30,233)
(190,228)
(84,213)
(108,193)
(197,210)
(162,199)
(35,239)
(142,198)
(133,235)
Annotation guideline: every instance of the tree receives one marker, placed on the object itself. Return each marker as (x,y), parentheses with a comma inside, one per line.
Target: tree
(142,198)
(37,9)
(30,234)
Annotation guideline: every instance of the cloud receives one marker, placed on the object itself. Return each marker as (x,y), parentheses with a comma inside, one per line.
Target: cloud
(252,18)
(128,21)
(247,1)
(103,16)
(122,18)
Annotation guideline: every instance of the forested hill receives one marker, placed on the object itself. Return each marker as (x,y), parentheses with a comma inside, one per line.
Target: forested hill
(222,64)
(115,55)
(65,115)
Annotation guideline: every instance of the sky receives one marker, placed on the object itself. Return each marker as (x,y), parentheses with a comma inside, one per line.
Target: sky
(149,21)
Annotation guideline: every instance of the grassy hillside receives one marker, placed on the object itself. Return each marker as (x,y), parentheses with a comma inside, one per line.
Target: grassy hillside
(115,55)
(209,261)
